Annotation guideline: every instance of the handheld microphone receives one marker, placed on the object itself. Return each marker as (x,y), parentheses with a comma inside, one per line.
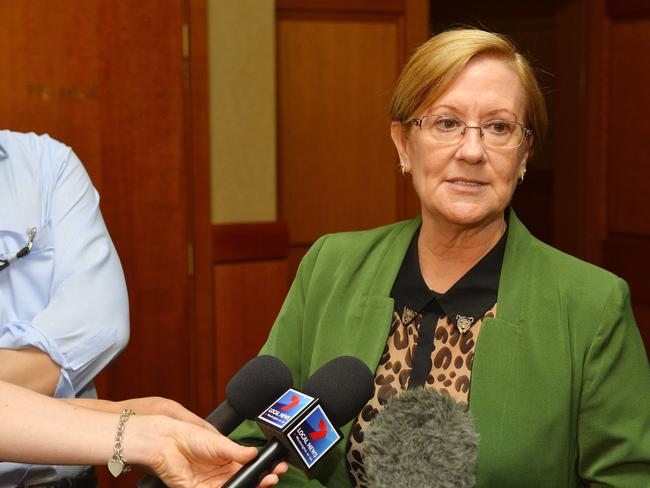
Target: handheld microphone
(255,385)
(303,426)
(260,381)
(421,438)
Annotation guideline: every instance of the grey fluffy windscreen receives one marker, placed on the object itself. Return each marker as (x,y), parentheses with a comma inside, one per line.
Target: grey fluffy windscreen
(421,438)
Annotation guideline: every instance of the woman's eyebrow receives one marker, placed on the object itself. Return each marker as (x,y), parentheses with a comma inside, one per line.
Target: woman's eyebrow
(455,110)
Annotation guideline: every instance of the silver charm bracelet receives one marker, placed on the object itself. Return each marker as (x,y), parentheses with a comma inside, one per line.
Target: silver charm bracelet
(116,464)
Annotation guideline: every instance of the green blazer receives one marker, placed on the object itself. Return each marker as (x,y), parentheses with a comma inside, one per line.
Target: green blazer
(560,382)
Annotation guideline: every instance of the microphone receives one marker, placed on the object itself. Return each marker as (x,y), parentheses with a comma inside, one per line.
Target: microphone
(255,385)
(260,381)
(421,438)
(303,426)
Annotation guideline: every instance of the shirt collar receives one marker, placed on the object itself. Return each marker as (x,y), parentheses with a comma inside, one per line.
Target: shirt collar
(3,153)
(469,298)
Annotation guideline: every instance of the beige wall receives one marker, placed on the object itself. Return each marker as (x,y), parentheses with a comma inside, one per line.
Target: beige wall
(242,110)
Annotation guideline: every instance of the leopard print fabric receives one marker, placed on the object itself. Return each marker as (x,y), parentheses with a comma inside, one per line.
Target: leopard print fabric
(451,369)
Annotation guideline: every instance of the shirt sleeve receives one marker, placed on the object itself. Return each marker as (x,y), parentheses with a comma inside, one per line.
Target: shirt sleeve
(614,417)
(85,323)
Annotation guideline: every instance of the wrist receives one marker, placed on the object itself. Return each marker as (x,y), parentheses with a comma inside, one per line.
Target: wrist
(117,464)
(145,439)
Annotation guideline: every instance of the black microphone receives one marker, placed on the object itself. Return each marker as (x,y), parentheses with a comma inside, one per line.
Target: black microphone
(303,426)
(260,381)
(421,438)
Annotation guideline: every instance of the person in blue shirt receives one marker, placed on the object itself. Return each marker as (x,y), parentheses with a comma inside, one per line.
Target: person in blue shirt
(63,301)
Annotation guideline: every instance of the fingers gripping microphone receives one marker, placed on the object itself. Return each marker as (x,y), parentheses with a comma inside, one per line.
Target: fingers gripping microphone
(303,426)
(260,381)
(421,438)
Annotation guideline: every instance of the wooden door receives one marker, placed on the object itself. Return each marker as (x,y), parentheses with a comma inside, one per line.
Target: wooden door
(117,81)
(112,80)
(337,64)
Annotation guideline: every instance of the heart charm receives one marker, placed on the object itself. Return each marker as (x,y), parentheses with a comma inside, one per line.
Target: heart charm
(115,466)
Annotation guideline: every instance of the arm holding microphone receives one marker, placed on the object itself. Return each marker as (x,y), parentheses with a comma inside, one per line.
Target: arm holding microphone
(255,385)
(143,406)
(38,429)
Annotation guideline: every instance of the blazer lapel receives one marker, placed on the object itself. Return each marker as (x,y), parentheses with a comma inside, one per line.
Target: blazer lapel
(498,346)
(377,306)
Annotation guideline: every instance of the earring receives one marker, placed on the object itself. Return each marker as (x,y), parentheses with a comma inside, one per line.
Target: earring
(521,176)
(402,167)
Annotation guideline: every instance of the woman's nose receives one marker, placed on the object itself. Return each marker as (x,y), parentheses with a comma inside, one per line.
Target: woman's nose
(472,149)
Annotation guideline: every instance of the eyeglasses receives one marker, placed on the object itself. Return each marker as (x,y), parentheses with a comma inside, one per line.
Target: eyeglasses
(6,261)
(448,129)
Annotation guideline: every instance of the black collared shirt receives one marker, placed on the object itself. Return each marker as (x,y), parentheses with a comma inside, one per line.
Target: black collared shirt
(466,301)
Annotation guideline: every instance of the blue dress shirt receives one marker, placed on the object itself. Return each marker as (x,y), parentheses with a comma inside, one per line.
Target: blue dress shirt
(67,297)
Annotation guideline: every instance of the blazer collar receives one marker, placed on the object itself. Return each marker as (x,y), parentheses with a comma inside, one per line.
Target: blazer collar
(391,262)
(513,284)
(470,297)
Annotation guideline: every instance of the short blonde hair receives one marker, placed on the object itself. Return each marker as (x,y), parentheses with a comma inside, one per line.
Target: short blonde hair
(435,65)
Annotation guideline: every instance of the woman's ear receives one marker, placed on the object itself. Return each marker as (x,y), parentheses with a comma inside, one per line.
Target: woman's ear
(527,151)
(400,136)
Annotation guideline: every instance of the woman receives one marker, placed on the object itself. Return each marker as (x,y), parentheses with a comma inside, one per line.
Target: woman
(187,452)
(542,346)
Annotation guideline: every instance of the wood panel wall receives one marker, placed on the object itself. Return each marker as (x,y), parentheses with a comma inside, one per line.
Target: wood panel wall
(627,101)
(197,150)
(337,64)
(106,80)
(115,81)
(601,180)
(250,283)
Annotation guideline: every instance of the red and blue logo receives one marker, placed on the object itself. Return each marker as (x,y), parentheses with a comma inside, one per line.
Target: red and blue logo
(314,436)
(285,408)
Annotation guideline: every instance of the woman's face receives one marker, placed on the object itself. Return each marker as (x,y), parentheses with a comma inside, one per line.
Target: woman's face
(468,183)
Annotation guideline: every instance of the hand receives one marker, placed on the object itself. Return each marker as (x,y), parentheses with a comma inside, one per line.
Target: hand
(184,455)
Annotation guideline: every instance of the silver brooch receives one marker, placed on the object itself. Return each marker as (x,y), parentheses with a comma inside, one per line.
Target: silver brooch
(463,323)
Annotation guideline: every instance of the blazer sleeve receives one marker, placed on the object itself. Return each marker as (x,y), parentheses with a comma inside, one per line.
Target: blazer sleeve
(614,415)
(285,343)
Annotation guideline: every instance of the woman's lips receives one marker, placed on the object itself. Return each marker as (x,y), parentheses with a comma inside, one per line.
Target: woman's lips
(466,183)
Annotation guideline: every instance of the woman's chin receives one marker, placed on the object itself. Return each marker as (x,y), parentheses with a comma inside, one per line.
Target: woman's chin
(467,215)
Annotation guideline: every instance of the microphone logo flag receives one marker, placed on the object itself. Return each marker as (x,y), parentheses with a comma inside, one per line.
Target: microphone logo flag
(313,436)
(295,400)
(322,432)
(284,409)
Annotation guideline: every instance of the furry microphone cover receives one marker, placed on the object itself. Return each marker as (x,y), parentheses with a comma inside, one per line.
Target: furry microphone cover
(421,438)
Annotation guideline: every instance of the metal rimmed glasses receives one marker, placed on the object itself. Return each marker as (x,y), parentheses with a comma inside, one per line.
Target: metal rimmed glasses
(448,129)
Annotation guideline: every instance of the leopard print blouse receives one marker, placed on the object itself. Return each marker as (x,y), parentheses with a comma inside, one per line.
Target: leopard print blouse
(438,318)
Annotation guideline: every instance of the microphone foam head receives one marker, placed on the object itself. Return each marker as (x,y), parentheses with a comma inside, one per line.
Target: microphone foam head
(343,385)
(421,438)
(258,384)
